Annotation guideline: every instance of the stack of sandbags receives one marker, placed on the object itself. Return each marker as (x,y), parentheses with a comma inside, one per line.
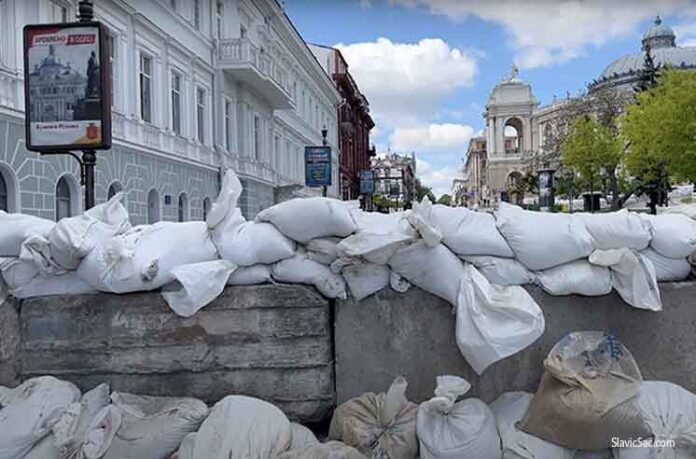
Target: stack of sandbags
(587,395)
(378,425)
(451,429)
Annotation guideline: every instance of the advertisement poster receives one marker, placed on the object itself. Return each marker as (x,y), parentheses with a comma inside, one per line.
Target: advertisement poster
(546,191)
(317,166)
(67,98)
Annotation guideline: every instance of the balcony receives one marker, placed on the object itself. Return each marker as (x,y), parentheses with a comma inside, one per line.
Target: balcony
(247,63)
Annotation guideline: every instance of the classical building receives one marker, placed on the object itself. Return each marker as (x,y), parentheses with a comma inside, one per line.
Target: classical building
(198,85)
(354,122)
(395,178)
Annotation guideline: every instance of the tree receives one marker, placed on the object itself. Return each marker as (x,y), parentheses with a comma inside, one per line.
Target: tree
(445,200)
(423,191)
(648,75)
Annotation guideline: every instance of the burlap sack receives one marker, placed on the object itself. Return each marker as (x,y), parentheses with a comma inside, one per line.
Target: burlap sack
(587,395)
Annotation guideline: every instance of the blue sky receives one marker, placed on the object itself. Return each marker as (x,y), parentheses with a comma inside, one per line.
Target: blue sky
(428,66)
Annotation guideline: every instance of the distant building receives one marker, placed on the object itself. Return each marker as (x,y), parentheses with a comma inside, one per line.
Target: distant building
(354,122)
(395,178)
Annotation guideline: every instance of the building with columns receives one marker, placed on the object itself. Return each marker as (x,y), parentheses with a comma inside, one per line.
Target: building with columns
(198,85)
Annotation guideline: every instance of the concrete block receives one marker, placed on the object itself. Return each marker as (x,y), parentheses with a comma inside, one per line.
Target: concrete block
(9,342)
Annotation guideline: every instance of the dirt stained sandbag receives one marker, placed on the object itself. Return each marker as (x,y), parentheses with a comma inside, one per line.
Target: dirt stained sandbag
(328,450)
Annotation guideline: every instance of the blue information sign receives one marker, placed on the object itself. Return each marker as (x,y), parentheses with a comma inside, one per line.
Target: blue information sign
(367,182)
(317,166)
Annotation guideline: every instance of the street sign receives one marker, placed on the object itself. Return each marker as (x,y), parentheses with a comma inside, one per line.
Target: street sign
(318,166)
(67,87)
(367,182)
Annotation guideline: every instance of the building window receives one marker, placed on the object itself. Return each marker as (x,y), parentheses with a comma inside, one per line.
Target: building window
(197,14)
(242,32)
(276,151)
(206,207)
(113,189)
(200,114)
(176,103)
(183,208)
(58,12)
(63,199)
(228,125)
(4,195)
(146,88)
(153,207)
(219,14)
(257,137)
(111,47)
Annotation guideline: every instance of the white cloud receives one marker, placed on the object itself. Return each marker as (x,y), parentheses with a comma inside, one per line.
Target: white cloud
(547,32)
(690,42)
(440,179)
(432,138)
(406,82)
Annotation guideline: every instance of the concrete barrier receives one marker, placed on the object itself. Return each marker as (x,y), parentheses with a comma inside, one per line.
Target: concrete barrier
(412,334)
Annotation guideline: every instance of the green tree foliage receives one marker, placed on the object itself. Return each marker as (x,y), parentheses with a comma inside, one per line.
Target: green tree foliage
(423,191)
(445,200)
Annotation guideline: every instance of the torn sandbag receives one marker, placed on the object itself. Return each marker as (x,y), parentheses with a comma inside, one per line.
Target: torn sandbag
(153,427)
(398,283)
(542,240)
(240,427)
(617,230)
(304,219)
(24,280)
(451,429)
(70,429)
(674,235)
(328,450)
(374,248)
(508,410)
(363,278)
(302,437)
(378,425)
(434,269)
(467,232)
(670,412)
(29,411)
(667,269)
(143,259)
(323,250)
(493,321)
(578,277)
(196,285)
(422,221)
(250,275)
(16,228)
(301,270)
(589,389)
(501,271)
(632,275)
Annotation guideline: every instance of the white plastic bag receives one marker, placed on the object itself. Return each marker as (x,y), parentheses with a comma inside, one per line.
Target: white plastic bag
(617,230)
(16,228)
(448,429)
(323,250)
(364,278)
(144,258)
(422,221)
(23,280)
(578,277)
(501,271)
(250,275)
(467,232)
(240,427)
(542,240)
(304,219)
(667,269)
(301,270)
(198,285)
(674,235)
(632,275)
(494,322)
(434,269)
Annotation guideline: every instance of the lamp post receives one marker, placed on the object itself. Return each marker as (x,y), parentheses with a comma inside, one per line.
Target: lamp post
(324,142)
(89,157)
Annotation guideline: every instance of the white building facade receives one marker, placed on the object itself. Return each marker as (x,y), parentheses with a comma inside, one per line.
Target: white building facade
(198,85)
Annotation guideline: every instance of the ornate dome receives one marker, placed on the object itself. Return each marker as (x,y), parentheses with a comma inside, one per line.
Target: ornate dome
(659,36)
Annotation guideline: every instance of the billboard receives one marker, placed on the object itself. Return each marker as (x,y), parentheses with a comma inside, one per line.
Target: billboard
(318,166)
(367,182)
(66,87)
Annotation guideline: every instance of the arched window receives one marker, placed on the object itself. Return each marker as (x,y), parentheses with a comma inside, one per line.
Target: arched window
(4,196)
(206,207)
(183,207)
(114,188)
(153,206)
(513,135)
(63,199)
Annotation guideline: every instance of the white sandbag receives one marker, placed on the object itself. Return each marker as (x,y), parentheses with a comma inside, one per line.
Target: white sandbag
(45,449)
(542,240)
(30,410)
(72,426)
(422,220)
(501,271)
(378,425)
(250,275)
(302,437)
(632,275)
(328,450)
(143,258)
(364,278)
(578,277)
(226,202)
(434,269)
(674,235)
(398,283)
(101,431)
(685,209)
(466,232)
(304,219)
(372,247)
(670,412)
(379,223)
(301,270)
(493,321)
(617,230)
(240,427)
(153,427)
(509,409)
(448,429)
(197,285)
(24,280)
(16,228)
(667,269)
(323,250)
